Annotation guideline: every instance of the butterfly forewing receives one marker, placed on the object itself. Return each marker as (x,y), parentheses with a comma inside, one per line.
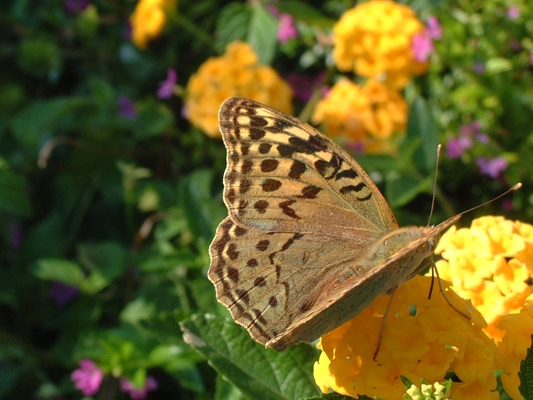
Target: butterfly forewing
(283,175)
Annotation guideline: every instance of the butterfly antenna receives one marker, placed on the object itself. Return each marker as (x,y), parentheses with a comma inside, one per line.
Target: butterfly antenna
(512,189)
(434,185)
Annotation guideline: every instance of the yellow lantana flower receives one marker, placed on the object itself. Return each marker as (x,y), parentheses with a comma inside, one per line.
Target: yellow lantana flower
(490,263)
(236,73)
(368,114)
(374,40)
(148,20)
(513,347)
(435,341)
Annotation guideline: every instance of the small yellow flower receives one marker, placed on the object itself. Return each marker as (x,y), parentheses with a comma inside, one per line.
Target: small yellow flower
(236,73)
(374,40)
(368,114)
(435,341)
(490,263)
(148,20)
(513,347)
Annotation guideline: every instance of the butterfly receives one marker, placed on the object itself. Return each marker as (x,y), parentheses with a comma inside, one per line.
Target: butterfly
(309,241)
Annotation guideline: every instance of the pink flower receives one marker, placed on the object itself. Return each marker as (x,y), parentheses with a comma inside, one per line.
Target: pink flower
(138,394)
(433,28)
(88,377)
(287,30)
(422,47)
(513,12)
(166,88)
(493,167)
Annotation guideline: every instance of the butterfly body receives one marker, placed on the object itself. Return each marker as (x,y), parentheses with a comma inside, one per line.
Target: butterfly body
(309,241)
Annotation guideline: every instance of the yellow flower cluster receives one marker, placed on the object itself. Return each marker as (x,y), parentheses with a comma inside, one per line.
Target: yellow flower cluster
(434,341)
(374,40)
(513,347)
(355,111)
(148,20)
(490,263)
(236,73)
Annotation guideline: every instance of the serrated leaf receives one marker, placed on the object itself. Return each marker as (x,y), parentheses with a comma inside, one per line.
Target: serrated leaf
(526,375)
(258,372)
(263,34)
(232,24)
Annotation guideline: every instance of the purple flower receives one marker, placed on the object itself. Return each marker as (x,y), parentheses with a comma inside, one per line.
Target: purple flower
(479,68)
(303,86)
(166,88)
(493,167)
(482,138)
(16,236)
(515,45)
(61,293)
(457,146)
(138,394)
(422,47)
(74,7)
(357,147)
(513,12)
(126,108)
(272,9)
(88,377)
(433,28)
(286,30)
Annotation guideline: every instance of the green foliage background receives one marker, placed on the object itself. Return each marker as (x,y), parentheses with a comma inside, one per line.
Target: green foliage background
(124,209)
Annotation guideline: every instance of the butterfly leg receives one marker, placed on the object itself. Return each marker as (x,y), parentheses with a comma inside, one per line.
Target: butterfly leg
(383,322)
(434,267)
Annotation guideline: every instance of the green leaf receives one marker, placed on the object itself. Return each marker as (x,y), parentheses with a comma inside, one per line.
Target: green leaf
(195,196)
(13,196)
(63,271)
(258,372)
(402,190)
(263,34)
(526,375)
(40,118)
(106,261)
(304,12)
(153,119)
(422,126)
(336,396)
(497,65)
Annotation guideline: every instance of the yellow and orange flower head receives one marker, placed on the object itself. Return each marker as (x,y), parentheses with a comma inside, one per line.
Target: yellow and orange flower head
(368,114)
(236,73)
(490,263)
(513,347)
(149,19)
(435,341)
(374,40)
